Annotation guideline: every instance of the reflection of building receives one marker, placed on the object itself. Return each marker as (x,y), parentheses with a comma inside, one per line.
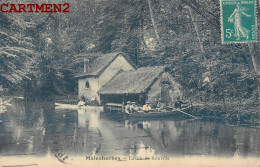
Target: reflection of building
(88,117)
(141,151)
(114,78)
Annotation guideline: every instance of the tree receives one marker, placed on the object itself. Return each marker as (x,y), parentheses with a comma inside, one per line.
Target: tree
(17,52)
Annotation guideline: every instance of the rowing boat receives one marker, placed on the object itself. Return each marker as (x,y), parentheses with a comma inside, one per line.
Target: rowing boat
(161,113)
(75,107)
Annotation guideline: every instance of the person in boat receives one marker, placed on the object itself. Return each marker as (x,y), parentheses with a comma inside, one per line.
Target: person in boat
(178,103)
(159,106)
(81,103)
(134,107)
(93,101)
(147,107)
(127,107)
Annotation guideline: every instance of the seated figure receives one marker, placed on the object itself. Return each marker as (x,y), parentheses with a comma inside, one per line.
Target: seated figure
(147,107)
(134,107)
(127,107)
(178,103)
(160,106)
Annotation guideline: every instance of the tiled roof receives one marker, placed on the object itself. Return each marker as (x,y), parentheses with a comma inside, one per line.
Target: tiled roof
(100,63)
(132,82)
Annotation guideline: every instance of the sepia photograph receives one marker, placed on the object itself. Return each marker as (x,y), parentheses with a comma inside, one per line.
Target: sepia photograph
(172,83)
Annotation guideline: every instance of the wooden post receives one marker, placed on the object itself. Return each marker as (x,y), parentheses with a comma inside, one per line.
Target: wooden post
(123,99)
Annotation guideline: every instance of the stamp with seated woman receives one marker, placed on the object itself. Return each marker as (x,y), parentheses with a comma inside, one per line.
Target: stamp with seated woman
(238,21)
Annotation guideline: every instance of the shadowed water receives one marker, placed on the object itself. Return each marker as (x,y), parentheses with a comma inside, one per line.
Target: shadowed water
(39,129)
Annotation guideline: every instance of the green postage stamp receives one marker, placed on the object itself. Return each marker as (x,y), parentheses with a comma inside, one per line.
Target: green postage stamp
(238,21)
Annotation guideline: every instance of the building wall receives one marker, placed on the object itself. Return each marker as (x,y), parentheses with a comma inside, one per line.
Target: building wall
(90,92)
(121,98)
(95,84)
(119,63)
(154,94)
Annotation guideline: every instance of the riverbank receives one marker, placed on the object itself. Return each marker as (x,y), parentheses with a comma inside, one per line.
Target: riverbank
(232,115)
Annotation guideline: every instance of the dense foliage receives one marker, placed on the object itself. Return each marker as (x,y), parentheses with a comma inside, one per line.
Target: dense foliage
(42,52)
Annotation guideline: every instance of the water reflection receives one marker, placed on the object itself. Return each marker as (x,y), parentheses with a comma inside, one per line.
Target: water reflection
(37,128)
(141,151)
(89,118)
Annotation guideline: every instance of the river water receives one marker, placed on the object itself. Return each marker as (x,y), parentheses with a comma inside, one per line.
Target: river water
(40,129)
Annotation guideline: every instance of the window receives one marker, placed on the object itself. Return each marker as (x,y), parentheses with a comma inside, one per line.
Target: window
(165,83)
(87,84)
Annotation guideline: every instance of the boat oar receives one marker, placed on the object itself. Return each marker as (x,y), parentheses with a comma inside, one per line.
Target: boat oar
(6,102)
(187,114)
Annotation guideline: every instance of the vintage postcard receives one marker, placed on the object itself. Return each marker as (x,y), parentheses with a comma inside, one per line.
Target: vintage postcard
(129,83)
